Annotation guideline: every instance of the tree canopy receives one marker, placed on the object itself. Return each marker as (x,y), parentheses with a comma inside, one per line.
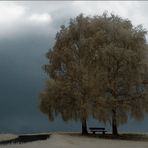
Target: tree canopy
(97,67)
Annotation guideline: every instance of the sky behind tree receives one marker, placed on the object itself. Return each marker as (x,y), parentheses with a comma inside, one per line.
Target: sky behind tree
(27,31)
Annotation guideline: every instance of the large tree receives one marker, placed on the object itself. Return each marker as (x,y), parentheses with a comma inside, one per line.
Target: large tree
(121,69)
(70,71)
(97,67)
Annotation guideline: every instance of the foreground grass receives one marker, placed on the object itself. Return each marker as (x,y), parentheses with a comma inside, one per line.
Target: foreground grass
(4,137)
(123,136)
(27,138)
(76,140)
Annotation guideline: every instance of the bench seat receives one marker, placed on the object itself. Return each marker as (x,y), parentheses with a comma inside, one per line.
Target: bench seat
(97,129)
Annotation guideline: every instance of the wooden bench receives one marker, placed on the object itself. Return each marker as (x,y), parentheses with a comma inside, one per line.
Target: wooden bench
(97,129)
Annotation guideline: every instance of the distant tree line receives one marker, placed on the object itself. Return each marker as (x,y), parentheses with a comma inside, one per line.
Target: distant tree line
(97,67)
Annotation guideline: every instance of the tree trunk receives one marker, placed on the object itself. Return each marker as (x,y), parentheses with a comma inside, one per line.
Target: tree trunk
(84,126)
(114,123)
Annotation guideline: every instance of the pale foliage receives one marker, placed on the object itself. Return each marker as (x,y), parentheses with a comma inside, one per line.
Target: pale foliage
(97,67)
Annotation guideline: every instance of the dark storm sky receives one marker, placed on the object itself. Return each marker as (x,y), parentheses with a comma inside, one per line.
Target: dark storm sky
(27,31)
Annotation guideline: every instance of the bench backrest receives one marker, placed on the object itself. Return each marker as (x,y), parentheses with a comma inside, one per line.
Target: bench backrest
(97,128)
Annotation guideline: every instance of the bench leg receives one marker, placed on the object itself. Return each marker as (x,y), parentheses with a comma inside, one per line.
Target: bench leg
(103,132)
(93,132)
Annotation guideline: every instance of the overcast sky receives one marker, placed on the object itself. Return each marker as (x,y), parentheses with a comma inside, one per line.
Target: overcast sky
(19,18)
(27,31)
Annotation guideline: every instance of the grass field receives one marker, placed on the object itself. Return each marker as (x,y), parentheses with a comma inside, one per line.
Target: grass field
(76,140)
